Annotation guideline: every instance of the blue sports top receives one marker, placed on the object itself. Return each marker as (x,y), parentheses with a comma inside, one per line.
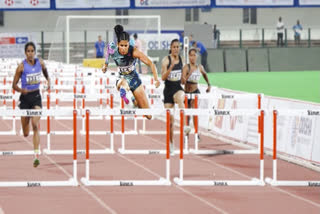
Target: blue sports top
(126,63)
(30,78)
(99,48)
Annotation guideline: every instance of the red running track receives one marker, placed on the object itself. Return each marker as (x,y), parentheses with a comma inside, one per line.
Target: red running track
(140,199)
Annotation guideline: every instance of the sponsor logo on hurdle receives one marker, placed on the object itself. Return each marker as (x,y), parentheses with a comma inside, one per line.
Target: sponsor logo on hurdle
(154,152)
(221,112)
(79,96)
(34,113)
(127,112)
(81,152)
(313,113)
(109,87)
(227,96)
(220,183)
(33,184)
(122,183)
(7,153)
(313,184)
(154,96)
(6,97)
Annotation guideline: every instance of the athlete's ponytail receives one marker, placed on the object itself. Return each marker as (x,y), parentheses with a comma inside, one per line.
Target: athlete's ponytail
(121,35)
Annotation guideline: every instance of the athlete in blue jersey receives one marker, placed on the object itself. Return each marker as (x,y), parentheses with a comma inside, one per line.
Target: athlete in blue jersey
(124,55)
(29,71)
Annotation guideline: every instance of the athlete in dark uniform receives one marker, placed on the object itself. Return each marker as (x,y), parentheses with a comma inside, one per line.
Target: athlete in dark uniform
(125,55)
(173,92)
(191,74)
(29,71)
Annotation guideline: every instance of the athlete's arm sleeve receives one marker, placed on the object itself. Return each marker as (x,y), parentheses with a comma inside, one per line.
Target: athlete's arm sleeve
(111,47)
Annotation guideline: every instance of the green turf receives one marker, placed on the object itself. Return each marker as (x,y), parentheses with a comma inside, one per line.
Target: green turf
(304,85)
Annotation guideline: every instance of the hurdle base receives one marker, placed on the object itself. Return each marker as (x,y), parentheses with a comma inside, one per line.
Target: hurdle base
(253,182)
(160,182)
(222,152)
(150,132)
(10,153)
(79,152)
(148,151)
(70,182)
(95,132)
(8,133)
(273,182)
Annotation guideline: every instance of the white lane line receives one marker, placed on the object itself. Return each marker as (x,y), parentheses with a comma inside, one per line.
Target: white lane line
(178,187)
(246,176)
(1,211)
(95,197)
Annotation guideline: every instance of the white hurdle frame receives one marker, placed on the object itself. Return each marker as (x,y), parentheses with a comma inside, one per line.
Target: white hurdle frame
(274,180)
(253,182)
(48,150)
(161,182)
(196,149)
(72,181)
(6,97)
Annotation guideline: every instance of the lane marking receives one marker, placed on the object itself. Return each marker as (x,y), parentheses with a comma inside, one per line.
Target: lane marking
(1,210)
(94,196)
(159,176)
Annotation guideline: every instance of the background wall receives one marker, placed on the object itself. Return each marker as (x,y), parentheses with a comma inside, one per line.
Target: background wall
(172,19)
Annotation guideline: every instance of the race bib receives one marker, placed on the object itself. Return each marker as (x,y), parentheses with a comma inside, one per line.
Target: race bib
(33,79)
(194,77)
(126,69)
(174,75)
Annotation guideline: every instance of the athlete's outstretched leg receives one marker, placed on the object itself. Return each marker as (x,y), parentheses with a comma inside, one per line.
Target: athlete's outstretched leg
(36,138)
(25,126)
(178,98)
(141,99)
(123,88)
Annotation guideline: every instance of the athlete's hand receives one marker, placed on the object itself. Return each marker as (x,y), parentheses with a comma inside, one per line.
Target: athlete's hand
(157,84)
(48,85)
(104,68)
(208,89)
(24,91)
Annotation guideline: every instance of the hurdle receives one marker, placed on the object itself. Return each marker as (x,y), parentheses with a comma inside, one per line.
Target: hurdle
(161,182)
(70,182)
(274,180)
(253,182)
(196,149)
(5,97)
(48,150)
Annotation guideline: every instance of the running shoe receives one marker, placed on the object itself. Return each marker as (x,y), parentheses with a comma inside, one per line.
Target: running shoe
(123,94)
(187,129)
(36,162)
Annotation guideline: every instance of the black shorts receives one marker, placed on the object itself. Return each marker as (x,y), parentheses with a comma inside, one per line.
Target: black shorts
(132,79)
(194,92)
(30,100)
(169,91)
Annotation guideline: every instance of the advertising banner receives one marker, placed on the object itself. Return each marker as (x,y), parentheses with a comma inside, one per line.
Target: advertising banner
(171,3)
(12,44)
(65,4)
(255,2)
(309,2)
(30,4)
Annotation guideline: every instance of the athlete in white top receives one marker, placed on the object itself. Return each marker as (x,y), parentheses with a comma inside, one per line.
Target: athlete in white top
(191,74)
